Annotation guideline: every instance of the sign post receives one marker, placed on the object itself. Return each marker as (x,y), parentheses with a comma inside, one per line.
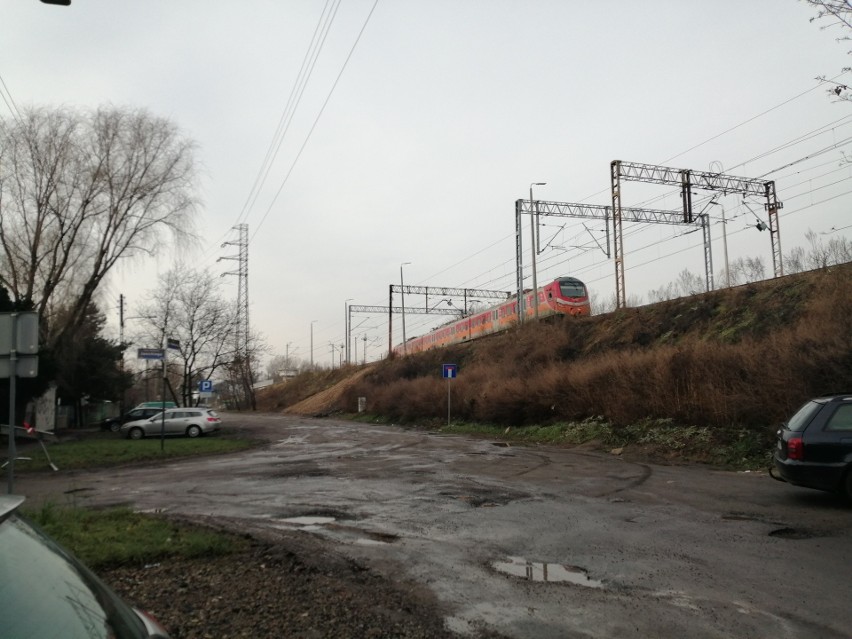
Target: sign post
(160,354)
(450,372)
(18,358)
(205,388)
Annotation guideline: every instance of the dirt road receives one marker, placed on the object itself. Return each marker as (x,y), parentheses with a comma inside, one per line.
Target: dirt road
(527,542)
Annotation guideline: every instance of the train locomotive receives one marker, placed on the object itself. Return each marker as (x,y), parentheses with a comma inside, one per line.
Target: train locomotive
(562,296)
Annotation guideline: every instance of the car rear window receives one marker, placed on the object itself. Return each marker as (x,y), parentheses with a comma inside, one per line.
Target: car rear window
(803,416)
(842,418)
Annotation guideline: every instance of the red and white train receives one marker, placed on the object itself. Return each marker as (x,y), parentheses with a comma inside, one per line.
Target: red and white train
(562,296)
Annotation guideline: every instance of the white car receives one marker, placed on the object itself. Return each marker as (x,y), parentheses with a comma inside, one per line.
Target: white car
(189,421)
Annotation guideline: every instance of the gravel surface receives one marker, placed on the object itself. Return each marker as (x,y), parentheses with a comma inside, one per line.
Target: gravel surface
(281,586)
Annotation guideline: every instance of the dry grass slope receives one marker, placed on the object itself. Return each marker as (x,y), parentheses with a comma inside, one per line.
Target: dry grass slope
(743,357)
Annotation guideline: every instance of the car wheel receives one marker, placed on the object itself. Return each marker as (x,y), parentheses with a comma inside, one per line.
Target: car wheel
(136,433)
(193,431)
(114,427)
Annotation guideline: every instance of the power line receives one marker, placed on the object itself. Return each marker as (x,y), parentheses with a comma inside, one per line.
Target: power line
(305,72)
(316,120)
(9,100)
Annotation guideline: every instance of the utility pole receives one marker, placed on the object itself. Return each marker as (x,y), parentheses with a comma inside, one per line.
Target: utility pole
(312,343)
(241,341)
(121,346)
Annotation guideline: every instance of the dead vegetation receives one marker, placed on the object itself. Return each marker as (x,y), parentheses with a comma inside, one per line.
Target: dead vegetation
(739,358)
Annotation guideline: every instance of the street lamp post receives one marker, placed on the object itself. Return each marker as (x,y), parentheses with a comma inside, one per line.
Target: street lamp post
(534,235)
(402,298)
(312,344)
(346,325)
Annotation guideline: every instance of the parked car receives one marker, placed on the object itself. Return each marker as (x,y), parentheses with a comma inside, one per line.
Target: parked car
(140,412)
(47,592)
(814,448)
(188,421)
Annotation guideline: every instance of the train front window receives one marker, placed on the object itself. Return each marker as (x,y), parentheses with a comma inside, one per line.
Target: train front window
(570,288)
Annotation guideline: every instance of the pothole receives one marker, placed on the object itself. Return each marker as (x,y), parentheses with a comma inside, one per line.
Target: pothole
(792,533)
(740,517)
(309,515)
(295,470)
(77,490)
(479,497)
(546,572)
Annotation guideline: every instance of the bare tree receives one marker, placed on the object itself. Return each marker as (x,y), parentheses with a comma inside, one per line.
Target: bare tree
(689,283)
(187,306)
(794,261)
(749,269)
(242,372)
(78,192)
(665,292)
(834,14)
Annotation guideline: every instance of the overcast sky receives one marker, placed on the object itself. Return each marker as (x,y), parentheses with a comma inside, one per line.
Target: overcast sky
(416,149)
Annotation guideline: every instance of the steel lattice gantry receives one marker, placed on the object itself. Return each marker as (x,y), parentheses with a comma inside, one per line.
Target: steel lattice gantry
(435,291)
(589,211)
(688,179)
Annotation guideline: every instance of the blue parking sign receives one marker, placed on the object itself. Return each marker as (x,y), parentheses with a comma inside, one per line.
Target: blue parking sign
(205,386)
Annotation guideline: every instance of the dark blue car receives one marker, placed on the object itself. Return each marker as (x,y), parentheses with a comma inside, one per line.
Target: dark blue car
(814,448)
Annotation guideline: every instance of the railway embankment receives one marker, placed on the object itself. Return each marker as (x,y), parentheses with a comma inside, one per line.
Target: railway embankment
(706,377)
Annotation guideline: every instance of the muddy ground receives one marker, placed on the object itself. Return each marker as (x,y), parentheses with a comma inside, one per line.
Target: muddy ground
(281,586)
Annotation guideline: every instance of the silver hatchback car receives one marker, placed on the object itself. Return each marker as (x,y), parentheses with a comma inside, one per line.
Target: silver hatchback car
(188,421)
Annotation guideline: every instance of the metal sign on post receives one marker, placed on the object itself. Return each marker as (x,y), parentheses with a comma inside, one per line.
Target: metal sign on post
(205,388)
(18,358)
(149,353)
(450,372)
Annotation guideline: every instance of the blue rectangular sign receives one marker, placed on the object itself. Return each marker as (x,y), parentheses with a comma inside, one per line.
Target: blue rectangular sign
(450,371)
(149,353)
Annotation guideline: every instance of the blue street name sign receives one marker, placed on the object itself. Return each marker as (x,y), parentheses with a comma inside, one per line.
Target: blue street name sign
(149,353)
(450,371)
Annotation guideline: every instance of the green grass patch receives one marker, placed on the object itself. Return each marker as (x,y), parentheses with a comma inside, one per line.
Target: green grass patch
(592,429)
(100,453)
(119,536)
(660,439)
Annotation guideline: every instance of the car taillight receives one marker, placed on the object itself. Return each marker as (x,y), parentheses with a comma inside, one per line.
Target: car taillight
(212,419)
(795,448)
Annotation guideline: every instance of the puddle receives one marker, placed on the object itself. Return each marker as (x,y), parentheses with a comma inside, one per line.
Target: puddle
(308,521)
(370,542)
(540,571)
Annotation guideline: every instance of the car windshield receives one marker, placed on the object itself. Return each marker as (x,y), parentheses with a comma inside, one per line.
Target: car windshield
(44,592)
(803,416)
